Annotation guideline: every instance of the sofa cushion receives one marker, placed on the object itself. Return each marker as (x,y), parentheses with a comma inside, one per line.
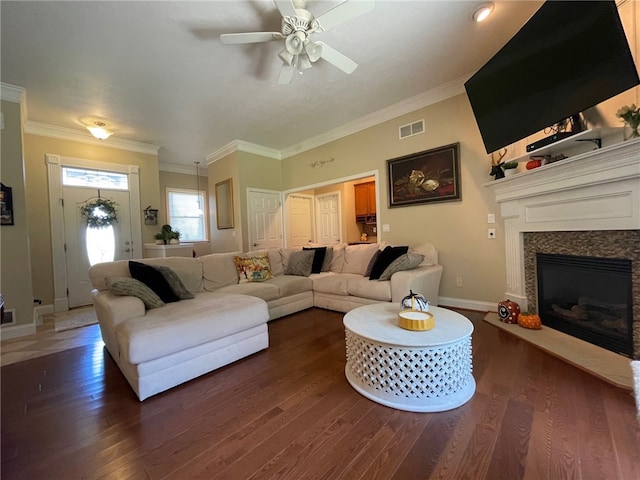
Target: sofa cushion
(318,258)
(153,279)
(253,267)
(430,254)
(363,288)
(174,328)
(189,270)
(100,273)
(300,263)
(262,290)
(337,262)
(174,282)
(328,259)
(218,270)
(127,286)
(356,257)
(408,261)
(291,284)
(335,283)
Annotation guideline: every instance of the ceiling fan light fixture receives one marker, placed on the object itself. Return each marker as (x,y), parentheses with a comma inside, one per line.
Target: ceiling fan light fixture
(295,42)
(99,131)
(483,11)
(286,57)
(303,62)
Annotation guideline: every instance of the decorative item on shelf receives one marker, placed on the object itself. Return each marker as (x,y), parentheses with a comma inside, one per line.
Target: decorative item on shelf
(535,162)
(363,237)
(497,165)
(630,115)
(100,212)
(508,311)
(415,301)
(509,168)
(167,236)
(150,216)
(529,320)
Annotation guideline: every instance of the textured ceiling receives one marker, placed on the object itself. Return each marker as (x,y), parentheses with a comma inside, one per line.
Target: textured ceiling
(159,74)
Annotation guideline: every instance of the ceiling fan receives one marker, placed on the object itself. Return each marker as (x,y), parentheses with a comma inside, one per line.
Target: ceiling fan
(299,28)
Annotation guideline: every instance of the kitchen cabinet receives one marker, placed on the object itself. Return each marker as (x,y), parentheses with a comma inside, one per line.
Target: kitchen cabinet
(365,202)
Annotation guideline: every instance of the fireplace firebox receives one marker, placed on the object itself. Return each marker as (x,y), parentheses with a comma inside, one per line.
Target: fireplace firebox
(587,297)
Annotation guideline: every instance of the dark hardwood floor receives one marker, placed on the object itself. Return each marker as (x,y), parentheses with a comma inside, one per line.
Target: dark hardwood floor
(288,413)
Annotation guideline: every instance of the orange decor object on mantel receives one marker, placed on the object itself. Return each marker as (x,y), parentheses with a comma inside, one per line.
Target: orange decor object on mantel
(529,320)
(508,311)
(531,164)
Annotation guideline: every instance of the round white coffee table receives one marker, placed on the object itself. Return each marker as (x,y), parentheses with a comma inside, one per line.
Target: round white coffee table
(427,371)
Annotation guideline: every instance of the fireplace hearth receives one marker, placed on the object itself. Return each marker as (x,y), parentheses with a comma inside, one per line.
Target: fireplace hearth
(587,297)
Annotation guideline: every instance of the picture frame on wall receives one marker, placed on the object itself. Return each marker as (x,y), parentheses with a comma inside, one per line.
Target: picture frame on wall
(6,205)
(425,177)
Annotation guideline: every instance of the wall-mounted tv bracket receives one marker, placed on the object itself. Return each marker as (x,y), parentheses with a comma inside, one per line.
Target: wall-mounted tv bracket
(597,141)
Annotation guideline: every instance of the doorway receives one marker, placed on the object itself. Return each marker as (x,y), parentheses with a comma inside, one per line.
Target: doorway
(68,228)
(265,219)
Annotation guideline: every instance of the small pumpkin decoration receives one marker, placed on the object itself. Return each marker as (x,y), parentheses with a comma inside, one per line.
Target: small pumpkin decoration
(415,301)
(531,164)
(530,320)
(508,311)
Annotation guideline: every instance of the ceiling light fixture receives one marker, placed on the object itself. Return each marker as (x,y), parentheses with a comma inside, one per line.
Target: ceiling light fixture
(98,130)
(483,11)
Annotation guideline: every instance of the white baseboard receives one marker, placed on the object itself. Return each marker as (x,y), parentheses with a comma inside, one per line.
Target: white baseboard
(14,331)
(41,310)
(468,304)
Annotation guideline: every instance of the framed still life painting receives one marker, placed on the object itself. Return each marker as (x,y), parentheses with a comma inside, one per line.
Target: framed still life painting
(425,177)
(6,205)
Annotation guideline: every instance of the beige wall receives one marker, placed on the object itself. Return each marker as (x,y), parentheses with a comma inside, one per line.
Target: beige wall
(35,149)
(227,240)
(15,275)
(187,182)
(458,229)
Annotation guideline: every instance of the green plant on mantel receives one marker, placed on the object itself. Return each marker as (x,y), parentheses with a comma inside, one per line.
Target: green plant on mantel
(167,234)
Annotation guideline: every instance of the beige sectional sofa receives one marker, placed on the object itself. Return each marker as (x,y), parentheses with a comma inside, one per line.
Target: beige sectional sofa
(159,348)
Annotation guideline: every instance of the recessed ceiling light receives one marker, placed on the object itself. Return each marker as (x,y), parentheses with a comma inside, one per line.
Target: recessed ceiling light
(483,11)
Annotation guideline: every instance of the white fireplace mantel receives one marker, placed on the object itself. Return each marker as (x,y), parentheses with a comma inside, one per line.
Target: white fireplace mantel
(597,190)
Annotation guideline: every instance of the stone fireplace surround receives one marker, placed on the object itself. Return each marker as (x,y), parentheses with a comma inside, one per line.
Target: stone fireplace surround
(588,204)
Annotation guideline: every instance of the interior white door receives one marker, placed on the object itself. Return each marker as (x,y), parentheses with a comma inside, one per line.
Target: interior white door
(101,241)
(265,219)
(329,218)
(300,219)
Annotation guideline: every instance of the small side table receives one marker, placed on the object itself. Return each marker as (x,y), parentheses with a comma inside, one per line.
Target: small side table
(427,371)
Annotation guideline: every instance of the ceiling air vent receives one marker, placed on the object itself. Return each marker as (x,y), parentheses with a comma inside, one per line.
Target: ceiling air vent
(411,129)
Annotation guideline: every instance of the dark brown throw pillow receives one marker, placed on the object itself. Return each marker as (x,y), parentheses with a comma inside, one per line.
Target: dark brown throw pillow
(385,258)
(153,279)
(318,258)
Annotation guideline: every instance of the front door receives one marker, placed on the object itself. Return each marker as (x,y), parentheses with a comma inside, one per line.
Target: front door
(86,246)
(265,220)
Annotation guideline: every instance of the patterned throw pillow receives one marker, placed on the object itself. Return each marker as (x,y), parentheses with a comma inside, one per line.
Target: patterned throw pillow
(128,286)
(253,268)
(174,282)
(408,261)
(300,263)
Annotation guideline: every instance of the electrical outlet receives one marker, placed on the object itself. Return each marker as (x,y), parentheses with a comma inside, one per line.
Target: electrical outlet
(385,227)
(491,218)
(458,281)
(491,233)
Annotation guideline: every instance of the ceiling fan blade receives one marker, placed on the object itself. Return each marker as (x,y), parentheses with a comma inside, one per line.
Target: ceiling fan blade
(343,12)
(285,7)
(286,74)
(251,37)
(336,58)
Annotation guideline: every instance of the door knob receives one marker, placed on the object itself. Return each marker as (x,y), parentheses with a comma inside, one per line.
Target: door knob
(127,250)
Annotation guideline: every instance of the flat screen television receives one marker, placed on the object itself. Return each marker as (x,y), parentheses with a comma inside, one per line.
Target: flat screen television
(569,56)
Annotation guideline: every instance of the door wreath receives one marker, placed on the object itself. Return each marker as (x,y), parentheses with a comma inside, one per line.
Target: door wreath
(100,212)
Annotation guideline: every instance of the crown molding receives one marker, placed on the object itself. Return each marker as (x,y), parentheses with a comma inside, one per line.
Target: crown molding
(12,93)
(243,146)
(422,100)
(181,168)
(63,133)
